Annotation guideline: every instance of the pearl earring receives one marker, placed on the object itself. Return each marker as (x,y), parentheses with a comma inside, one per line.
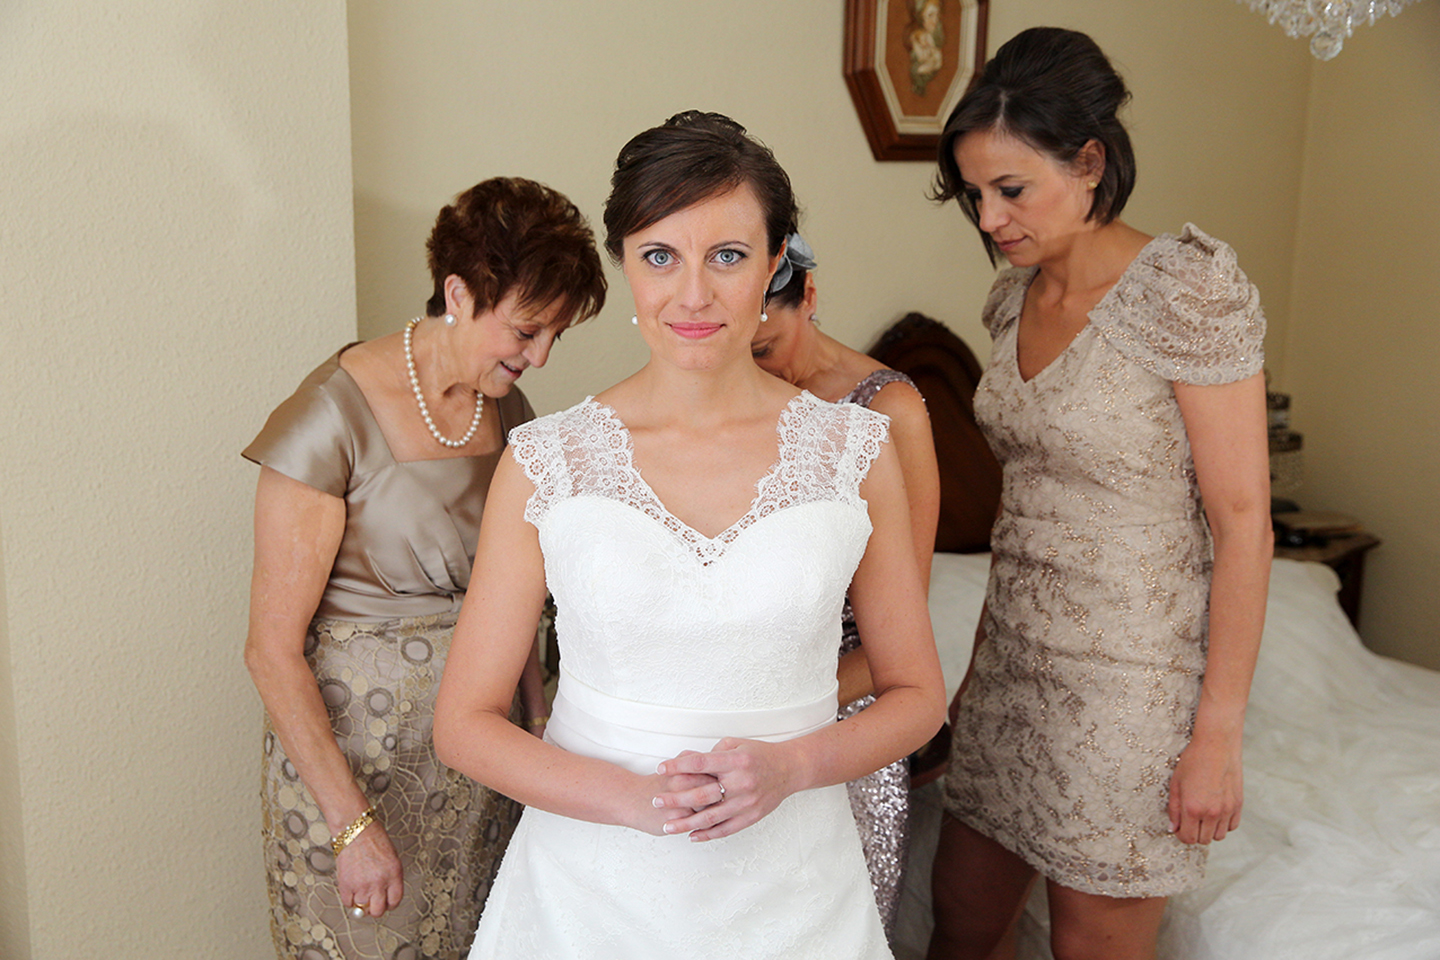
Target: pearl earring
(635,320)
(1094,184)
(764,316)
(449,319)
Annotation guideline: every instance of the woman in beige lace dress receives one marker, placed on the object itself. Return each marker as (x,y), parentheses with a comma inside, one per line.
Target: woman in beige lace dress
(374,475)
(1097,736)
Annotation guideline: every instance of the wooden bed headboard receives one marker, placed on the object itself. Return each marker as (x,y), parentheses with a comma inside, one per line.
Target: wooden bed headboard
(946,373)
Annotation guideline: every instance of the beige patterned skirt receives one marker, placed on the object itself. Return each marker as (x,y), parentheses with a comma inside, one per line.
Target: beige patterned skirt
(379,682)
(1082,698)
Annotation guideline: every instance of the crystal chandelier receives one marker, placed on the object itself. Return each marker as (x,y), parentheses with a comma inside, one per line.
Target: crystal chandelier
(1326,22)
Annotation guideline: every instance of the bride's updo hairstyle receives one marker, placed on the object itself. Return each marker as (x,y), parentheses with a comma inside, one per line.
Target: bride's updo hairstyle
(689,158)
(1054,90)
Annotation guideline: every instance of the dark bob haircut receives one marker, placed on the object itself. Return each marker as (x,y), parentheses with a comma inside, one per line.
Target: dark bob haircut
(510,234)
(1054,90)
(691,157)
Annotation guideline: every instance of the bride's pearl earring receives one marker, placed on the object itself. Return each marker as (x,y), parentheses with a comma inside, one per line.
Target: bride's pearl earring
(449,319)
(764,316)
(635,320)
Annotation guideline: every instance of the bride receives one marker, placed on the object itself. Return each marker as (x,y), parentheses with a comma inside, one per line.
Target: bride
(699,524)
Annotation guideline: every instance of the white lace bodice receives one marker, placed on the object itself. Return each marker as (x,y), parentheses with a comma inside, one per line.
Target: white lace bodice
(651,610)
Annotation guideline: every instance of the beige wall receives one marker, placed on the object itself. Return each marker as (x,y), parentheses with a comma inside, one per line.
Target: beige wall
(1365,338)
(175,253)
(449,94)
(14,902)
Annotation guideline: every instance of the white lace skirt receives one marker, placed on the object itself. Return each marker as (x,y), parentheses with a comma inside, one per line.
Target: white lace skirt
(792,886)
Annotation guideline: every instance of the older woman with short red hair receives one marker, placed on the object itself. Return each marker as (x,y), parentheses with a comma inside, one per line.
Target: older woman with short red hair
(373,478)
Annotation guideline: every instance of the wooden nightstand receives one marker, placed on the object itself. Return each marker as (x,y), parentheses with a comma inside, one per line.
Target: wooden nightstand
(1346,556)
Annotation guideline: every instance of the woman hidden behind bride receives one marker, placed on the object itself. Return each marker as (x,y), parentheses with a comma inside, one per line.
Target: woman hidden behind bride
(699,524)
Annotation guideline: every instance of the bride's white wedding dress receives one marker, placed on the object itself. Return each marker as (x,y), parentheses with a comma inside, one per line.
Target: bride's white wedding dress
(669,641)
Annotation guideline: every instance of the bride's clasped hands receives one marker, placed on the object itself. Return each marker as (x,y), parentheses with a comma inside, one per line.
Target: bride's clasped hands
(650,816)
(746,780)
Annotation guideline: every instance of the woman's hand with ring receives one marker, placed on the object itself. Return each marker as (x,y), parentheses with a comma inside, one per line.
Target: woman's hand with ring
(704,791)
(700,789)
(750,778)
(369,875)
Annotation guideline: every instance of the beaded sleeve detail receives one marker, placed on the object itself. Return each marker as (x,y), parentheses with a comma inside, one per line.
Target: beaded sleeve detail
(863,393)
(824,453)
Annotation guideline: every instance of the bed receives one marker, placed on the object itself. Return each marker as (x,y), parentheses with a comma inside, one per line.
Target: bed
(1339,852)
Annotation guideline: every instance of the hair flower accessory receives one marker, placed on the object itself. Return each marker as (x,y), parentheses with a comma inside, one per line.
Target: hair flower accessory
(798,256)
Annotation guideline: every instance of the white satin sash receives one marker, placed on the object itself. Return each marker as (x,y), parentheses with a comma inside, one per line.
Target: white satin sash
(637,736)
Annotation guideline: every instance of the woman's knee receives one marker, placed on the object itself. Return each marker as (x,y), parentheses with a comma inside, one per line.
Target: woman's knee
(1093,927)
(978,889)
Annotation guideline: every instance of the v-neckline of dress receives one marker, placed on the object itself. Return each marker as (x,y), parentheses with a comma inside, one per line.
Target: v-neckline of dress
(709,547)
(1055,361)
(1069,347)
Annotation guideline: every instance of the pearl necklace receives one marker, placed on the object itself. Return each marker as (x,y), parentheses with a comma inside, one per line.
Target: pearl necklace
(420,397)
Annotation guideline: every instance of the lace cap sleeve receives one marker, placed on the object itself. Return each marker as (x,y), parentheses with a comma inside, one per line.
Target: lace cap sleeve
(308,437)
(1185,311)
(867,431)
(1007,296)
(536,447)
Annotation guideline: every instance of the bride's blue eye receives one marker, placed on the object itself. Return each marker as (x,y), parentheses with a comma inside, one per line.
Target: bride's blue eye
(658,258)
(729,257)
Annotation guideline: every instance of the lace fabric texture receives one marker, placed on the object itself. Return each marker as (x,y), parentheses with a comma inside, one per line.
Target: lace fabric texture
(1084,692)
(589,453)
(653,613)
(669,616)
(379,682)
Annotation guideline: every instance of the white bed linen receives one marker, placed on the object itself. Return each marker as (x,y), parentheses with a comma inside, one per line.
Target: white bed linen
(1338,856)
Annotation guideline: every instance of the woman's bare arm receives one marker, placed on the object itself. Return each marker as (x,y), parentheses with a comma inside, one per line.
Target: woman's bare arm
(297,535)
(1226,428)
(910,433)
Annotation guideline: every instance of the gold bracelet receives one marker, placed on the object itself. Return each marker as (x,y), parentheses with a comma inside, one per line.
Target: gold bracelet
(351,832)
(534,722)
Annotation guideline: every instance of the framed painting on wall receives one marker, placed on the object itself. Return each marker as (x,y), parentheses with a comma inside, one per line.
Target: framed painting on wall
(907,63)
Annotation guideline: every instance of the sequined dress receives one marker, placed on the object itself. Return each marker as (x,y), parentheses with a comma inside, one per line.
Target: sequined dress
(377,646)
(881,800)
(671,640)
(1084,692)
